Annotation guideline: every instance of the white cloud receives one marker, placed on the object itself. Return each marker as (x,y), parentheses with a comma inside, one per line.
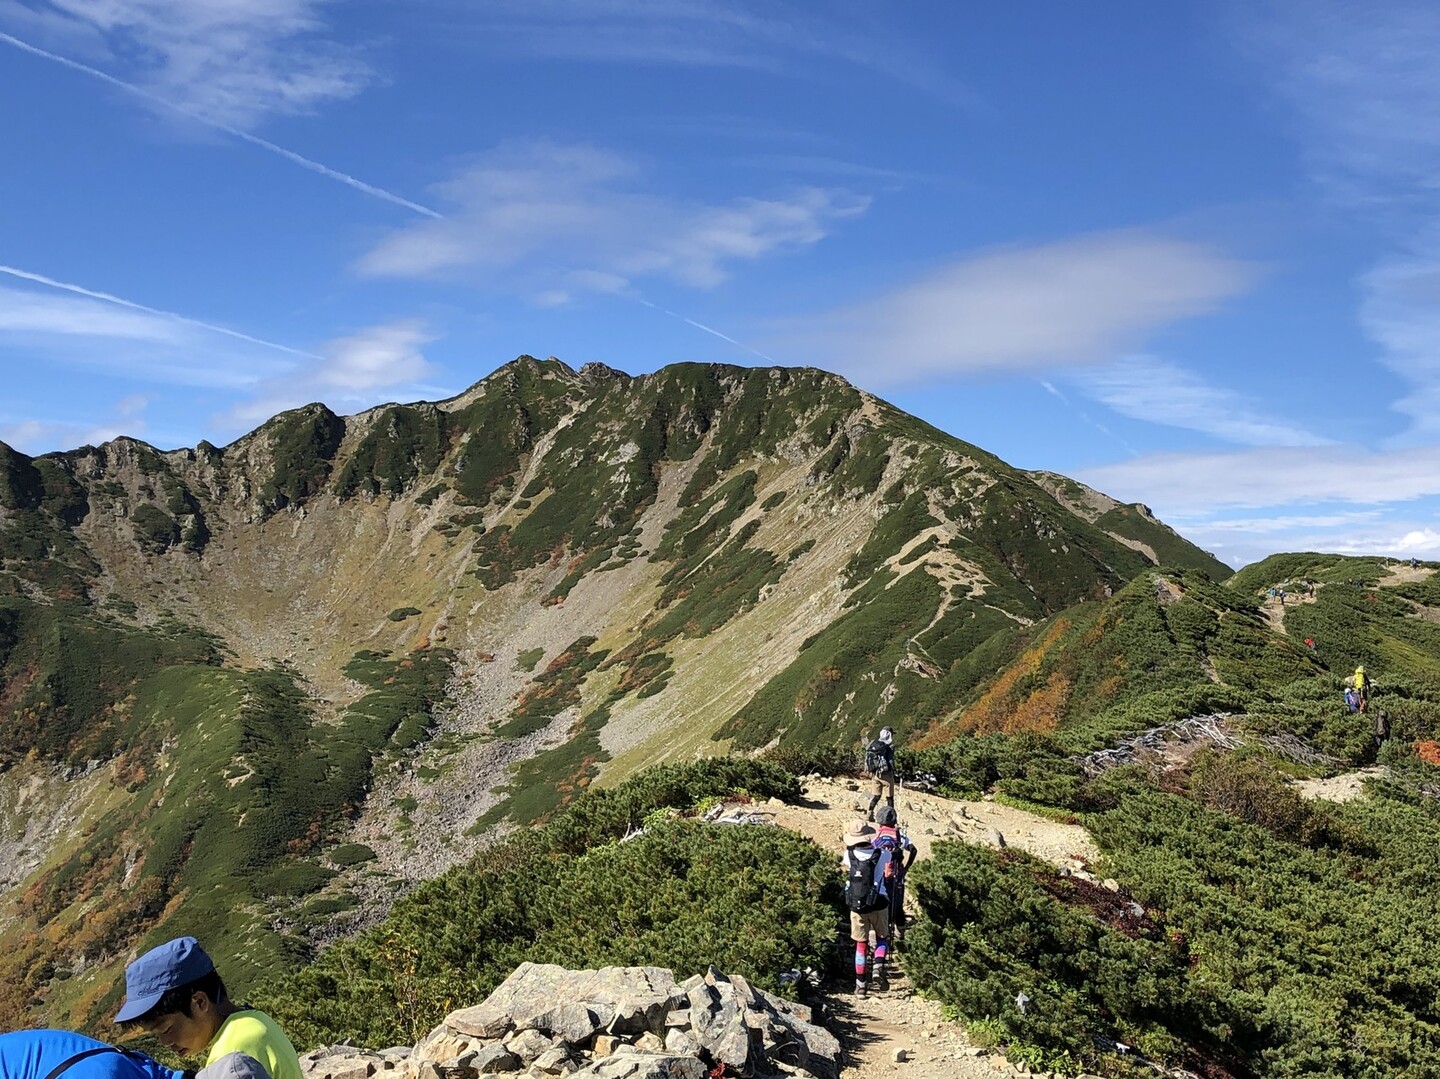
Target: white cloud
(27,436)
(777,36)
(386,355)
(347,374)
(94,331)
(191,113)
(1182,485)
(1401,312)
(231,61)
(554,218)
(1147,389)
(1363,82)
(36,436)
(1284,524)
(1070,302)
(30,313)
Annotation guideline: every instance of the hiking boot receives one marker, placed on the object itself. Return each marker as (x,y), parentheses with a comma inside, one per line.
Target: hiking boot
(861,989)
(882,980)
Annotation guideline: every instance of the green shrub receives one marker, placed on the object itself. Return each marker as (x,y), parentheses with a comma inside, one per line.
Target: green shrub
(754,901)
(348,854)
(399,614)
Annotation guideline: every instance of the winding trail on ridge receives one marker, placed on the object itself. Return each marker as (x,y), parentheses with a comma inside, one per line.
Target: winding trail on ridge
(871,1030)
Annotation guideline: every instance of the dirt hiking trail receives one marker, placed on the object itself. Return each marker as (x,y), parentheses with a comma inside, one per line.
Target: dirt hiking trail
(875,1029)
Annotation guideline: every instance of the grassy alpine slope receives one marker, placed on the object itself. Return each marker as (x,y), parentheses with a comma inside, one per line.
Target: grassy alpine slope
(487,603)
(1271,936)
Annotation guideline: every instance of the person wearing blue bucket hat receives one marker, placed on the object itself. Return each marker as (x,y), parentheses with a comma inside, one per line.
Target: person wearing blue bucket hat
(174,993)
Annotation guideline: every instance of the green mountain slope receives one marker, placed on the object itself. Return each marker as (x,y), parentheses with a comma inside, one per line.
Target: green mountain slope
(300,672)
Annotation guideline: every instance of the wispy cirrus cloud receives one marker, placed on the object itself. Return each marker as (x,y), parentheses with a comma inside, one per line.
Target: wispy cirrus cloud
(37,308)
(1246,504)
(192,113)
(1187,485)
(1363,88)
(85,329)
(777,36)
(1075,301)
(230,63)
(555,220)
(1155,391)
(30,435)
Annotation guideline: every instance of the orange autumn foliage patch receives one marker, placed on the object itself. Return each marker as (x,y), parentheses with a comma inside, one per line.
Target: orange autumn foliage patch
(995,711)
(1429,752)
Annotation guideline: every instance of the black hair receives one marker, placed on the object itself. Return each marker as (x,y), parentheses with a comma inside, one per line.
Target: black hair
(178,999)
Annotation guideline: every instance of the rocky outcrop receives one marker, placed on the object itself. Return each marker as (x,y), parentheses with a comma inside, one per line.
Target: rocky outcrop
(612,1023)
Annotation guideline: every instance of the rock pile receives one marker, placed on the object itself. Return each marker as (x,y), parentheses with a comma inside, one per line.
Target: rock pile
(612,1023)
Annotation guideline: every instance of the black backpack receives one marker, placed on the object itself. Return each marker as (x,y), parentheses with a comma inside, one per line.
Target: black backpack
(877,757)
(861,895)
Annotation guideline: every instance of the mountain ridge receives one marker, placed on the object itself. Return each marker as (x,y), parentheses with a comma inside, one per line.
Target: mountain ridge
(407,630)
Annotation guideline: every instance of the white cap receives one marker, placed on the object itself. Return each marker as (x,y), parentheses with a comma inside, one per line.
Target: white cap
(885,735)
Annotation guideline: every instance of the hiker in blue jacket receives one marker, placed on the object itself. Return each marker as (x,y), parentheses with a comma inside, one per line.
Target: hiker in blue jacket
(53,1054)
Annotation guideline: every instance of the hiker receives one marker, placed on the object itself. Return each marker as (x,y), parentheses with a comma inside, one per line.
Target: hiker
(868,901)
(902,854)
(1361,684)
(1382,727)
(880,764)
(1352,700)
(175,993)
(49,1054)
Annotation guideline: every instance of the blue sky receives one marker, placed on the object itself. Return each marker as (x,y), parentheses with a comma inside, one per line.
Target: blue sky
(1188,253)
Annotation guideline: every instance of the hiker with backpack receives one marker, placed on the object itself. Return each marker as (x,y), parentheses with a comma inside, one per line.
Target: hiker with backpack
(868,900)
(1360,683)
(880,766)
(51,1054)
(902,854)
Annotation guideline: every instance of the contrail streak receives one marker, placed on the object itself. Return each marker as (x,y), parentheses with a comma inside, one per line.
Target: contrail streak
(711,330)
(234,132)
(118,301)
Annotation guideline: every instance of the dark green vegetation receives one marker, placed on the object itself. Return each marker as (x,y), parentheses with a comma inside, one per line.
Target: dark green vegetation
(1273,936)
(213,844)
(679,896)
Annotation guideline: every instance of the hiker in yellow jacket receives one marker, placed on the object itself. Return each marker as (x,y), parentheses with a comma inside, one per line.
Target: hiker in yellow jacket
(175,993)
(1361,685)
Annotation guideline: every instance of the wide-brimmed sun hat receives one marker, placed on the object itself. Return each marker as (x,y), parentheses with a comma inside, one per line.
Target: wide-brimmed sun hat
(859,833)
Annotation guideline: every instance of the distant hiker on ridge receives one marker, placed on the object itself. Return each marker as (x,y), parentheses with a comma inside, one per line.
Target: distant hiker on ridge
(868,901)
(880,764)
(175,993)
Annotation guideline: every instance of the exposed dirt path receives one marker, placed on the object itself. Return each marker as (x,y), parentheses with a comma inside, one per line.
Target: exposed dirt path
(872,1030)
(1404,573)
(1345,787)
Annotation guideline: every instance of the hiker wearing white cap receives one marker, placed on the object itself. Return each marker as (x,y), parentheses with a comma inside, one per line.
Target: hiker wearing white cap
(868,900)
(880,763)
(175,993)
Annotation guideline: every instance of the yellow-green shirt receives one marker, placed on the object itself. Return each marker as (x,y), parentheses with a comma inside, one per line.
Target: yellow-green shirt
(256,1035)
